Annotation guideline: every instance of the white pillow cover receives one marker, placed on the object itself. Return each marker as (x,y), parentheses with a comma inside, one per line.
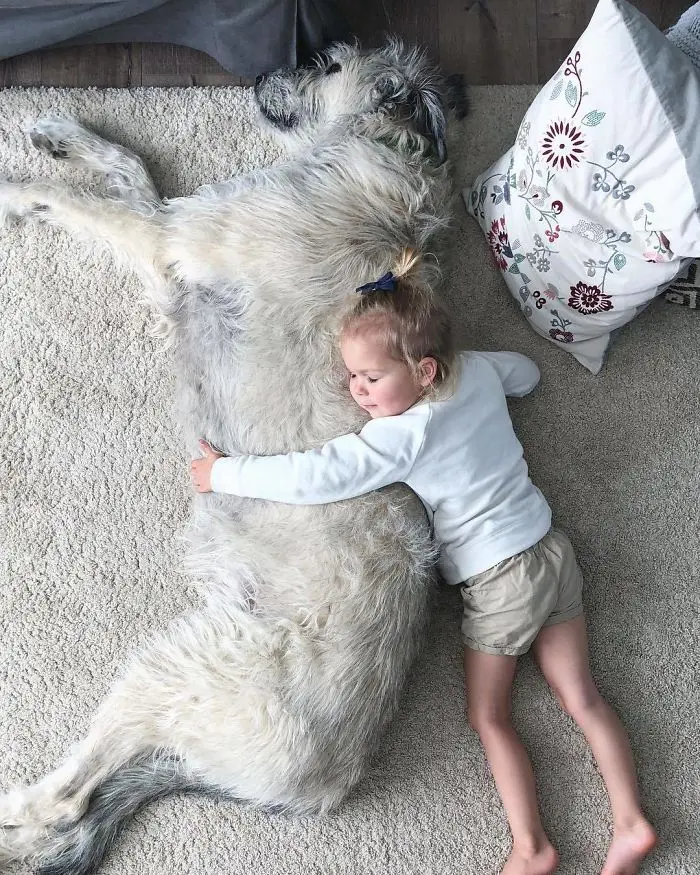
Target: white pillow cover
(594,210)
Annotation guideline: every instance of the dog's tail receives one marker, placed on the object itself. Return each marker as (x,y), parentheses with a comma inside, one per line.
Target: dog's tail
(78,847)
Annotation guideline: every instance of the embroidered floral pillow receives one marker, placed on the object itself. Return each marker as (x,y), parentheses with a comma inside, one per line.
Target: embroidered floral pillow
(594,210)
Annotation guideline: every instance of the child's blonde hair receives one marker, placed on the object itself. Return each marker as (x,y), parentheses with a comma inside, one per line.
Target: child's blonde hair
(407,320)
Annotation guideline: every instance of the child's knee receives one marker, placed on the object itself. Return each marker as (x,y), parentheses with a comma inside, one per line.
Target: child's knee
(580,704)
(485,720)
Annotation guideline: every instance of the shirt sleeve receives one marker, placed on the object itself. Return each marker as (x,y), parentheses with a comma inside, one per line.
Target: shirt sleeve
(519,374)
(347,466)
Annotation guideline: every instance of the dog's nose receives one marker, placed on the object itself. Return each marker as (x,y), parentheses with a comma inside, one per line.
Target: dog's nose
(259,79)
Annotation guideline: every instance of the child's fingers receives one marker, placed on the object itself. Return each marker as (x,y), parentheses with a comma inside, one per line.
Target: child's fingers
(199,471)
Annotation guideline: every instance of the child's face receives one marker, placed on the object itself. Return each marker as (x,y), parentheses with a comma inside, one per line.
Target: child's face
(379,384)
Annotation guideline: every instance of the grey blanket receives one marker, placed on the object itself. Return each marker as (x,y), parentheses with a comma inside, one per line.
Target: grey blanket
(247,37)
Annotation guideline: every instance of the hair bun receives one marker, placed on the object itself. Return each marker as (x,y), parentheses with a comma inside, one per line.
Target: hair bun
(406,261)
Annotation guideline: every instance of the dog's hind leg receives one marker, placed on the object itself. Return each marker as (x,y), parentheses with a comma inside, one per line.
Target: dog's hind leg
(125,760)
(79,848)
(121,734)
(125,173)
(48,830)
(175,721)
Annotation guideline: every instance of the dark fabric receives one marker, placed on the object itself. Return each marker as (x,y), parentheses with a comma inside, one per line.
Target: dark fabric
(246,37)
(35,25)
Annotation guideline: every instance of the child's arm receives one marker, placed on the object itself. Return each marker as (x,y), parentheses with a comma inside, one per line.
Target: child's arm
(519,374)
(345,467)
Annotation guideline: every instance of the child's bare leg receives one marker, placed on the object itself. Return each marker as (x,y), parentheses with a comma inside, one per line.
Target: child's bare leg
(562,653)
(489,679)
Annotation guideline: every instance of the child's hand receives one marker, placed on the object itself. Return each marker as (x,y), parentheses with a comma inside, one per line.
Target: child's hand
(201,468)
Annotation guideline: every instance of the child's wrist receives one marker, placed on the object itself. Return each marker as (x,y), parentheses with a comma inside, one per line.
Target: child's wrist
(212,482)
(212,474)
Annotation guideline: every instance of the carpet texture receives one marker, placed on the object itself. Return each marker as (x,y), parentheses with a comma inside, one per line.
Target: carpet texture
(95,491)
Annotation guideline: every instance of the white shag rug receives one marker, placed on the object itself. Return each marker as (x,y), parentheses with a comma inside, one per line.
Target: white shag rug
(94,491)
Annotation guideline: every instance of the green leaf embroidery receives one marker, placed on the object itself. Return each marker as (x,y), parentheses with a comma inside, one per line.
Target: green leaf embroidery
(527,211)
(525,278)
(518,257)
(514,268)
(594,117)
(571,94)
(556,91)
(619,261)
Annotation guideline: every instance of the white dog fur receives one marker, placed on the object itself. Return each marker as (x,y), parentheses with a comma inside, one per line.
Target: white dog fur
(278,689)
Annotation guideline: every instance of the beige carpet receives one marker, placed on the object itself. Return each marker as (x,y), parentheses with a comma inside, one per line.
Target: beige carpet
(94,489)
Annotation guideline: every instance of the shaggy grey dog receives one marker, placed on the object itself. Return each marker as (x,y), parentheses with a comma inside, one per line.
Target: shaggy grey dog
(279,688)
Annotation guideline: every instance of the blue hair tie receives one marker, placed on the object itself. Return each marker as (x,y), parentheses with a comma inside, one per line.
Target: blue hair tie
(386,283)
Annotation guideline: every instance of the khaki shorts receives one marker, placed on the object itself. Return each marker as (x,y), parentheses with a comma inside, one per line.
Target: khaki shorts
(506,606)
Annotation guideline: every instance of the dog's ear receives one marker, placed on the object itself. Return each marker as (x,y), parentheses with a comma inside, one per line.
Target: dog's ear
(456,95)
(423,103)
(429,114)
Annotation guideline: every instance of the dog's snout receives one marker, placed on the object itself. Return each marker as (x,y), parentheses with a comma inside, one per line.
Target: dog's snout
(259,79)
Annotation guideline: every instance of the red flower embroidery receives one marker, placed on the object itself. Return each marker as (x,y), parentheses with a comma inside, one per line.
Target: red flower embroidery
(552,235)
(498,241)
(589,299)
(562,145)
(557,207)
(561,336)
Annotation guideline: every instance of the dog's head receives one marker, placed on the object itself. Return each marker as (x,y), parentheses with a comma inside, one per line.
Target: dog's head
(391,93)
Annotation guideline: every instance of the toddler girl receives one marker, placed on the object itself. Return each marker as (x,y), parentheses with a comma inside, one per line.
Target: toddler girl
(439,422)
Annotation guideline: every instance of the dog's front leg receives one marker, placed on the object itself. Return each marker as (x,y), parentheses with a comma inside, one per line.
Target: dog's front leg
(124,172)
(133,238)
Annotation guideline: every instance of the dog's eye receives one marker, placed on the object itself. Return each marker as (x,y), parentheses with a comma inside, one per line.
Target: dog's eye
(334,68)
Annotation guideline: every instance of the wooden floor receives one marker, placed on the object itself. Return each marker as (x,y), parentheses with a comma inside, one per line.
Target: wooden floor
(490,41)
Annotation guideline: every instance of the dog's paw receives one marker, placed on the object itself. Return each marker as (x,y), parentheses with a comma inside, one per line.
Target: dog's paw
(60,138)
(17,843)
(6,200)
(22,200)
(14,807)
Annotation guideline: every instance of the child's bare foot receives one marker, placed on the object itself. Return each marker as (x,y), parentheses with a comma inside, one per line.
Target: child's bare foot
(628,848)
(543,861)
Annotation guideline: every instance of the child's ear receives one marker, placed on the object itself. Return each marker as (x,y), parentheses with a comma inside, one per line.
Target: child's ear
(428,371)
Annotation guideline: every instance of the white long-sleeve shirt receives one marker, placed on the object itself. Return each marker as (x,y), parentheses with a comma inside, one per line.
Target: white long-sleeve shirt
(459,455)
